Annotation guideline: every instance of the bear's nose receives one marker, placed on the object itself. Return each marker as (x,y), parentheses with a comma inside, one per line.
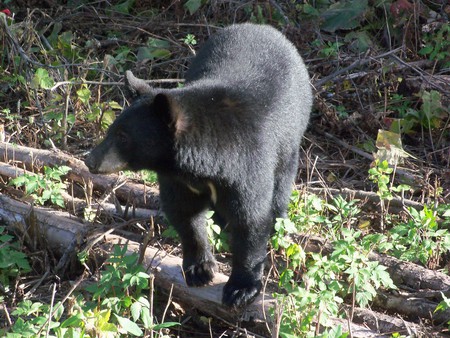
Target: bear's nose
(91,163)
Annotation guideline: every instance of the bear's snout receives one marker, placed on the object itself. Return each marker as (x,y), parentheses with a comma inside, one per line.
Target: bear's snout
(91,163)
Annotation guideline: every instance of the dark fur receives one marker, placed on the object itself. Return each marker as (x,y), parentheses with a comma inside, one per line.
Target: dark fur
(232,134)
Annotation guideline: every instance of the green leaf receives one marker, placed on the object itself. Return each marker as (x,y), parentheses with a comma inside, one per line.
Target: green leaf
(390,149)
(165,325)
(19,181)
(193,6)
(344,15)
(31,185)
(431,104)
(73,321)
(158,43)
(42,79)
(46,194)
(310,10)
(53,37)
(360,41)
(216,228)
(115,105)
(124,7)
(149,53)
(129,326)
(444,304)
(84,94)
(59,311)
(135,309)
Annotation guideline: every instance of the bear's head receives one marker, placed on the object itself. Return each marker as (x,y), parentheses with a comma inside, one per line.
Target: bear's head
(142,136)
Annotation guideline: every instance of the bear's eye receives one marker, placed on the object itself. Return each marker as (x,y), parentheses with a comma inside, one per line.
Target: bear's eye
(122,138)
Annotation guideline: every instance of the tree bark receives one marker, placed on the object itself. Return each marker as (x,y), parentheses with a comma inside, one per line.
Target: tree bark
(76,206)
(62,234)
(58,231)
(33,159)
(404,274)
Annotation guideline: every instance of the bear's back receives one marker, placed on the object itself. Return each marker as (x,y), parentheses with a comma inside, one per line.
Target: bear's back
(247,98)
(252,56)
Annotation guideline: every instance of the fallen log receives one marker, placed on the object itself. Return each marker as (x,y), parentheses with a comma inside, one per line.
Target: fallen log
(404,274)
(140,194)
(396,204)
(76,206)
(61,232)
(412,307)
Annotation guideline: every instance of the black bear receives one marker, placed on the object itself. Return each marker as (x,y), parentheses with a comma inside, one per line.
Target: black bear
(228,141)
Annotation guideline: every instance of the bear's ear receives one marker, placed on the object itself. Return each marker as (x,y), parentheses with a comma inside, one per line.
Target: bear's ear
(136,87)
(172,112)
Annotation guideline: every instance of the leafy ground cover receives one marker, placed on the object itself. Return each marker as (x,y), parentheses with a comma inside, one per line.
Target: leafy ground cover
(381,72)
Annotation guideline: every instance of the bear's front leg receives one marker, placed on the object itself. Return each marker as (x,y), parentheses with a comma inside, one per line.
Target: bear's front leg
(199,264)
(249,246)
(185,210)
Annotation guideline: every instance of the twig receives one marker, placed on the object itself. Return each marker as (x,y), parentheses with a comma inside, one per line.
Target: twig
(362,153)
(357,63)
(72,289)
(8,317)
(421,73)
(62,83)
(280,10)
(169,301)
(52,303)
(152,291)
(396,202)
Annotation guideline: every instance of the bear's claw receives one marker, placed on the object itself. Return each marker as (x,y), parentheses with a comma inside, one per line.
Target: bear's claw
(237,296)
(200,274)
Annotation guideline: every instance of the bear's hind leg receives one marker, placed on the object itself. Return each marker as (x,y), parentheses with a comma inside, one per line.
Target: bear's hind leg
(186,211)
(284,182)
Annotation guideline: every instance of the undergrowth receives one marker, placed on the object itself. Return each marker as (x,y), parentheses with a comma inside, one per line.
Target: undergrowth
(61,88)
(119,304)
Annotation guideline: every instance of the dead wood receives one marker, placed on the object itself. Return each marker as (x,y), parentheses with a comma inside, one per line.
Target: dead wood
(411,307)
(397,204)
(76,205)
(33,159)
(411,275)
(382,322)
(42,227)
(60,232)
(408,275)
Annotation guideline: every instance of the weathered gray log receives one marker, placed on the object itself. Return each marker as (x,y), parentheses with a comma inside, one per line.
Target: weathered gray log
(411,307)
(402,272)
(60,231)
(74,204)
(44,227)
(141,195)
(407,274)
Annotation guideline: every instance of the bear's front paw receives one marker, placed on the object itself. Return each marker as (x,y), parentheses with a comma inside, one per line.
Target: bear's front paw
(200,274)
(237,295)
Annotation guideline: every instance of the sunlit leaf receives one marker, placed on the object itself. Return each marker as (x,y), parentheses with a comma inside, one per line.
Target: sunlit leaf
(42,79)
(129,326)
(390,147)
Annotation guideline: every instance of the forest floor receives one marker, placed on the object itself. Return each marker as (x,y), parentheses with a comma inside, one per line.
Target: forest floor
(381,78)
